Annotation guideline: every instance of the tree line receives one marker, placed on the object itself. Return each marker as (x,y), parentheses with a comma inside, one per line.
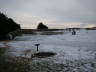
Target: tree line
(7,25)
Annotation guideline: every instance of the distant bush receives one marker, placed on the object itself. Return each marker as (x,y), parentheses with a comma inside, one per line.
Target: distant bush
(41,26)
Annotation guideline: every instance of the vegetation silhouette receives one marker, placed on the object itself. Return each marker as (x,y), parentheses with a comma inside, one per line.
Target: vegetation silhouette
(41,26)
(7,25)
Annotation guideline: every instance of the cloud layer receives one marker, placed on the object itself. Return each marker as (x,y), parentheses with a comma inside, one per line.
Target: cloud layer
(54,13)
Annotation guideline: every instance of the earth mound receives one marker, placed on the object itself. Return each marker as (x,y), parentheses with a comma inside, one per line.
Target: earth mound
(44,54)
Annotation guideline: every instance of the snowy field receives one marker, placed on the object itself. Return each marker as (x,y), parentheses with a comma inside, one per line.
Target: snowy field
(74,53)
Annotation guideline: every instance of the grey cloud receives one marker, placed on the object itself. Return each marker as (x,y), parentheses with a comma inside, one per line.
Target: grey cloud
(81,10)
(61,10)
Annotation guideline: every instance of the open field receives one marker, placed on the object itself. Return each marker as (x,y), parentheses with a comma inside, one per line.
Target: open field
(73,53)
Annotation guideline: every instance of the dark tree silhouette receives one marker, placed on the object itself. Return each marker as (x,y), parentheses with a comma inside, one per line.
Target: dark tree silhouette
(7,25)
(41,26)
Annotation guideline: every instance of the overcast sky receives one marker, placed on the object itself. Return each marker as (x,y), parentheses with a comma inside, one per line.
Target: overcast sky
(53,13)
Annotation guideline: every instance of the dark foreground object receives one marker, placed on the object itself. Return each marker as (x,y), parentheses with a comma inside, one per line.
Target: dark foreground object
(44,54)
(12,64)
(37,46)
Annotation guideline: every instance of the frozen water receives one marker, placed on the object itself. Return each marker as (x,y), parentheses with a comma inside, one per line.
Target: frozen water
(75,53)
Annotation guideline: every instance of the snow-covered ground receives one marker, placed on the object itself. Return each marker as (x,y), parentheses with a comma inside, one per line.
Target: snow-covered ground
(74,53)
